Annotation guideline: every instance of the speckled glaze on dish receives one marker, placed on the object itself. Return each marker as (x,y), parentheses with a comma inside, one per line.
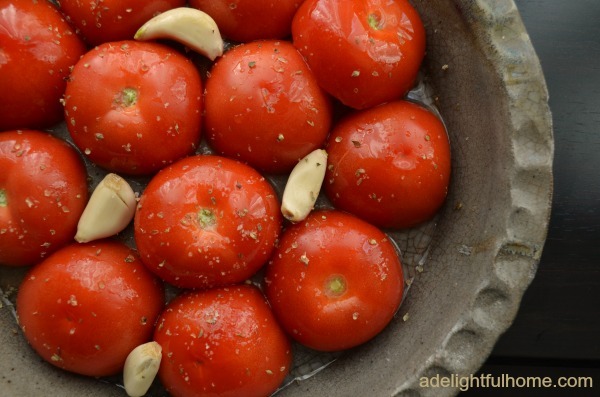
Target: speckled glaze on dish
(488,84)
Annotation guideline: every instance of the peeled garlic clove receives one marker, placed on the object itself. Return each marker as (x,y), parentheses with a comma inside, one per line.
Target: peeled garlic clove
(110,209)
(189,26)
(141,367)
(303,186)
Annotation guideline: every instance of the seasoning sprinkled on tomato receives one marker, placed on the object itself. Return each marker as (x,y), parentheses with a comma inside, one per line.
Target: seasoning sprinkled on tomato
(259,110)
(37,48)
(342,39)
(143,99)
(330,287)
(223,342)
(218,224)
(389,165)
(85,307)
(43,191)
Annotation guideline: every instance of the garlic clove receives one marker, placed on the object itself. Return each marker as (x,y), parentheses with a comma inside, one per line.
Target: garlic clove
(303,186)
(189,26)
(141,367)
(110,209)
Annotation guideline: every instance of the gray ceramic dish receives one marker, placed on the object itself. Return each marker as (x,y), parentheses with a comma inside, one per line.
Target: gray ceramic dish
(487,82)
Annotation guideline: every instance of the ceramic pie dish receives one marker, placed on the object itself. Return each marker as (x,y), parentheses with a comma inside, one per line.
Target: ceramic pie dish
(483,75)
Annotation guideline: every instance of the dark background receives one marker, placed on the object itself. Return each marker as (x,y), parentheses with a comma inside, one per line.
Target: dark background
(557,330)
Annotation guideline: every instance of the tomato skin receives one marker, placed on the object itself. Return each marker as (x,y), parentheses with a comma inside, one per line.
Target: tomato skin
(101,21)
(37,48)
(43,191)
(264,107)
(85,307)
(134,107)
(334,281)
(207,221)
(389,165)
(249,20)
(222,342)
(363,52)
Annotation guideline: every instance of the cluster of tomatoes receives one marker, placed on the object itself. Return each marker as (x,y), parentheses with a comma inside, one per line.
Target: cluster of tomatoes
(298,76)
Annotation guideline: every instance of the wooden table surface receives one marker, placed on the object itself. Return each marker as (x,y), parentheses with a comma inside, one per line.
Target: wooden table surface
(557,330)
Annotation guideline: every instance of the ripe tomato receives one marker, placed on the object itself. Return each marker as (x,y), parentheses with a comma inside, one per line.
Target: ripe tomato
(101,21)
(207,221)
(390,165)
(37,48)
(43,191)
(222,342)
(87,306)
(248,20)
(334,281)
(134,107)
(264,107)
(363,52)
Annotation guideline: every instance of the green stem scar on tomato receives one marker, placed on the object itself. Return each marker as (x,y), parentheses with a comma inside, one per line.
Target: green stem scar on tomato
(206,218)
(3,198)
(375,21)
(127,97)
(335,285)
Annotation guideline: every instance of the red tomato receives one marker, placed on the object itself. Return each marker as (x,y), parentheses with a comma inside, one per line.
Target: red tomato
(248,20)
(207,221)
(37,48)
(363,52)
(43,191)
(334,281)
(390,165)
(85,307)
(222,342)
(101,21)
(134,107)
(264,107)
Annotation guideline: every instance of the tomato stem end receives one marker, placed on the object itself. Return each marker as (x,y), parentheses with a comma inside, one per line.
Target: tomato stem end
(206,218)
(3,198)
(374,20)
(127,97)
(335,285)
